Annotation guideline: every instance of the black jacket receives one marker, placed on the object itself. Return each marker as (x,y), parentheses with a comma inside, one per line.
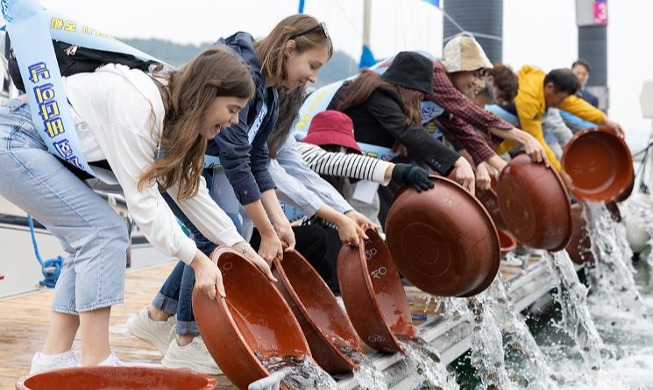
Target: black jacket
(380,121)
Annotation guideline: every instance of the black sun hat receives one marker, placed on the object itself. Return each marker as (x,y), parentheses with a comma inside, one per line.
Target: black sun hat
(411,70)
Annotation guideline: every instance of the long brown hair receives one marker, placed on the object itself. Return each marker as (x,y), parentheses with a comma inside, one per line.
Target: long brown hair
(215,72)
(367,82)
(291,102)
(270,50)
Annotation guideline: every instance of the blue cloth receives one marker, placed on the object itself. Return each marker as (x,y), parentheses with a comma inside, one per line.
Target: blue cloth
(246,163)
(92,234)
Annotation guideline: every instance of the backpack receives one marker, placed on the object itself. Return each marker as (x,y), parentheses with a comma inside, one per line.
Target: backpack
(74,59)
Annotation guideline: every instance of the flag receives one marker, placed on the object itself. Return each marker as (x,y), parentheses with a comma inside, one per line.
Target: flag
(367,58)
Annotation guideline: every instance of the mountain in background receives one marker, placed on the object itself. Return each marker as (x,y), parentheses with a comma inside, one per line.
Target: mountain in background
(339,67)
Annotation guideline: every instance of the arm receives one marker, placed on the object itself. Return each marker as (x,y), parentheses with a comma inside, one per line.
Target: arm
(353,166)
(419,143)
(584,110)
(527,114)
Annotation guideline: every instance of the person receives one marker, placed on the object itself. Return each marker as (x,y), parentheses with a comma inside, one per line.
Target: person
(539,91)
(457,79)
(501,85)
(385,110)
(123,119)
(582,69)
(288,57)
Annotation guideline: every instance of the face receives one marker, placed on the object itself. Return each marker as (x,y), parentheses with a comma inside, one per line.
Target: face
(223,112)
(302,68)
(582,73)
(553,98)
(469,82)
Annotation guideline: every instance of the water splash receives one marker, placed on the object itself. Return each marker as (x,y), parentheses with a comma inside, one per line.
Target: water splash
(530,369)
(611,275)
(572,296)
(426,362)
(367,375)
(302,373)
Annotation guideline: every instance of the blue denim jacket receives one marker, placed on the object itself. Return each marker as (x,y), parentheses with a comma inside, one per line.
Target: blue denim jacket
(246,162)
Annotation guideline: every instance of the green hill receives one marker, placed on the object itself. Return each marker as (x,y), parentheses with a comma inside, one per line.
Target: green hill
(339,67)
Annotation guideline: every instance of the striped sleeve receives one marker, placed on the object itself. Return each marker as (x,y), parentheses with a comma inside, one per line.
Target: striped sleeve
(353,166)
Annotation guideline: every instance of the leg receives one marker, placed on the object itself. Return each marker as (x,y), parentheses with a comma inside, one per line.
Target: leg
(37,182)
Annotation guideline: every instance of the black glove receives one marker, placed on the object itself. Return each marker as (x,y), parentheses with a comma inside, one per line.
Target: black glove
(413,176)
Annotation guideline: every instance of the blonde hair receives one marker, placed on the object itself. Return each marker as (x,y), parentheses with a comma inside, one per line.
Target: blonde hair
(270,50)
(215,72)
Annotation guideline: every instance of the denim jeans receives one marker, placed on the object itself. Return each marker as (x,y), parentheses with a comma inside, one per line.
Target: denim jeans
(92,234)
(175,296)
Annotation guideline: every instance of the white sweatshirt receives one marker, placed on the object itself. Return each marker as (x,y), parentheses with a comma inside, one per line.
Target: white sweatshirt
(118,114)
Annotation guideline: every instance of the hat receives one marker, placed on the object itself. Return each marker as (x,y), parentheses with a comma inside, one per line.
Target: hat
(411,70)
(332,128)
(463,53)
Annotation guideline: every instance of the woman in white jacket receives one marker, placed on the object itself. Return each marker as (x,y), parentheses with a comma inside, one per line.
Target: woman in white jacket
(152,136)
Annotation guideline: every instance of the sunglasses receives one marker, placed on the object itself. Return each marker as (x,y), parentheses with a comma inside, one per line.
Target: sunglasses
(321,25)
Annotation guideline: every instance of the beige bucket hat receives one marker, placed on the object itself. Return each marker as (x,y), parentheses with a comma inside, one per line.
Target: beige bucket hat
(463,53)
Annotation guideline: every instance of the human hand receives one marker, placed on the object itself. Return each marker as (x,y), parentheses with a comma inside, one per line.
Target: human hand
(463,174)
(250,254)
(270,247)
(361,220)
(483,178)
(534,149)
(208,277)
(614,126)
(412,176)
(349,231)
(285,234)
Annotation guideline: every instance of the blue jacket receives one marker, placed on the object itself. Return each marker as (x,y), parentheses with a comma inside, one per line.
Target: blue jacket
(246,163)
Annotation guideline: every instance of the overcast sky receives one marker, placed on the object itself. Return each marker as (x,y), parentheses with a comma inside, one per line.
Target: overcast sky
(542,33)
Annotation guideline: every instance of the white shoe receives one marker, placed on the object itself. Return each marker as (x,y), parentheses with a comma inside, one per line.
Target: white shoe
(157,333)
(42,362)
(113,361)
(193,356)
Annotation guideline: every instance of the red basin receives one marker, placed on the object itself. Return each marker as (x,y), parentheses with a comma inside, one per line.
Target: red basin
(373,294)
(108,378)
(443,240)
(326,326)
(600,165)
(534,204)
(251,325)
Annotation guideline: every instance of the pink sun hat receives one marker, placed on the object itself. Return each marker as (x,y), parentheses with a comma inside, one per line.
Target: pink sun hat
(332,127)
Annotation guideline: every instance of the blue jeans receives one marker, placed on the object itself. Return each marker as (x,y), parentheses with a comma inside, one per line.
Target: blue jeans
(175,296)
(92,234)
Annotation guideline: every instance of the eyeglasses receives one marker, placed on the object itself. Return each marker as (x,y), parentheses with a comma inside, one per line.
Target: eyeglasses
(321,25)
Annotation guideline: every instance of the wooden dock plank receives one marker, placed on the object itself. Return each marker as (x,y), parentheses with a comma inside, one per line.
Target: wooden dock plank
(24,323)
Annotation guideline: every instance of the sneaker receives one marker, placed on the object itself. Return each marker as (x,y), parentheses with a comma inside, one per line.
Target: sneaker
(193,356)
(42,362)
(113,361)
(157,333)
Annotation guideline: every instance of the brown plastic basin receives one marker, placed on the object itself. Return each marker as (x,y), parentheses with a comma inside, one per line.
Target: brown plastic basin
(534,204)
(600,165)
(443,240)
(490,201)
(373,294)
(507,242)
(251,325)
(109,378)
(326,326)
(580,245)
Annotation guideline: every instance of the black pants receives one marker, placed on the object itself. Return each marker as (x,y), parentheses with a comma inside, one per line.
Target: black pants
(311,242)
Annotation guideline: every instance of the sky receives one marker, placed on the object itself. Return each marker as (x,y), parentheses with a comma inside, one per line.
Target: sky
(536,32)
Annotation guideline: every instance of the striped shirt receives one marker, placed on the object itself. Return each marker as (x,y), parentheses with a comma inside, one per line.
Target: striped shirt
(354,166)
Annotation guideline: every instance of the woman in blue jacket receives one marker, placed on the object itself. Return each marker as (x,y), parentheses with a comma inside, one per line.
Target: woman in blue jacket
(288,58)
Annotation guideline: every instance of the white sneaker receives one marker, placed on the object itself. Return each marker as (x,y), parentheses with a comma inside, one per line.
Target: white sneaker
(157,333)
(113,361)
(42,362)
(193,356)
